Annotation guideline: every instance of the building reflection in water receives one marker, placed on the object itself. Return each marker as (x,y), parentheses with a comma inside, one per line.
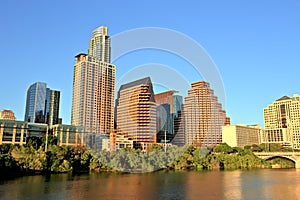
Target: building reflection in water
(190,185)
(231,181)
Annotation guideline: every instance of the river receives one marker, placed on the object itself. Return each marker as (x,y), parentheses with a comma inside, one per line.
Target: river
(253,184)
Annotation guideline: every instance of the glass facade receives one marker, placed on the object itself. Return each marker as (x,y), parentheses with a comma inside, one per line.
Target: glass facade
(42,104)
(35,103)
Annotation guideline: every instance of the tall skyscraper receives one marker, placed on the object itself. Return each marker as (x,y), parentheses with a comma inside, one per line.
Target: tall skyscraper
(136,111)
(52,107)
(168,106)
(94,86)
(165,112)
(203,116)
(100,44)
(282,120)
(42,104)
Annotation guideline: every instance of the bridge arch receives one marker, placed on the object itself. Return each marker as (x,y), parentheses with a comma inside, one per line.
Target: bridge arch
(293,156)
(281,156)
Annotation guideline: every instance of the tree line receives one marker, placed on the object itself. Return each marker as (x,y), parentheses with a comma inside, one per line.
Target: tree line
(33,158)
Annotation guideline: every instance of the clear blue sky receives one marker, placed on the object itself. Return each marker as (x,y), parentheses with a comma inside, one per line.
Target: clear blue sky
(255,45)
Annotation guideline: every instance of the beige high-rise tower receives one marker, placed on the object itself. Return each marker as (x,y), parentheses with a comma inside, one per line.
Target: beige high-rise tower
(94,86)
(203,116)
(282,122)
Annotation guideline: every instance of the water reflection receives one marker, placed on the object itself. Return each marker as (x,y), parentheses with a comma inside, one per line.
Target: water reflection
(232,184)
(257,184)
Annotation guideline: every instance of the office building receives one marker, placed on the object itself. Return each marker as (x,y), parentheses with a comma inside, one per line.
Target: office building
(168,106)
(7,115)
(68,135)
(203,116)
(179,129)
(13,132)
(42,104)
(240,135)
(94,86)
(52,107)
(136,112)
(282,122)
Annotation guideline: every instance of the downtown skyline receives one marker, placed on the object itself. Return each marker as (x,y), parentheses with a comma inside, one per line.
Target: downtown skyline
(251,45)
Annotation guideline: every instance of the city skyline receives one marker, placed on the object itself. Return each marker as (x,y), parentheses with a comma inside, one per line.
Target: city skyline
(251,43)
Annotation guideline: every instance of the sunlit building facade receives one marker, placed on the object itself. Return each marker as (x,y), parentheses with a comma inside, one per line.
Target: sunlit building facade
(136,111)
(203,116)
(94,86)
(282,122)
(7,115)
(13,132)
(240,135)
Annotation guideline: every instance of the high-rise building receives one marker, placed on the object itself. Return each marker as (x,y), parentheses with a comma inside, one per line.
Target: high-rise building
(282,122)
(42,104)
(136,111)
(203,116)
(7,115)
(168,106)
(94,86)
(179,129)
(240,135)
(100,44)
(52,107)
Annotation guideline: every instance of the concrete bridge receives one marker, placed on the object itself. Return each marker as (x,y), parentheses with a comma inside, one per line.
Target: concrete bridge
(294,156)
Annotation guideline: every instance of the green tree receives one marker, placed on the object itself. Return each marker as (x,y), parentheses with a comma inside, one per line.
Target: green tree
(223,148)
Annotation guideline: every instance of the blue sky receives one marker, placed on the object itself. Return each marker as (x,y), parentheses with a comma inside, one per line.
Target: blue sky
(254,44)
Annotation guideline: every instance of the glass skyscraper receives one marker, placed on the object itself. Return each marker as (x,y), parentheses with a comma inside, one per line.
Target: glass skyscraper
(42,104)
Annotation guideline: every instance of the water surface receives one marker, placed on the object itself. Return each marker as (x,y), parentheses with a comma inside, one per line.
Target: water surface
(254,184)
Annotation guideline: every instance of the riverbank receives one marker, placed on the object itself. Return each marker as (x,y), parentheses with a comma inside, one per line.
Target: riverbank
(26,160)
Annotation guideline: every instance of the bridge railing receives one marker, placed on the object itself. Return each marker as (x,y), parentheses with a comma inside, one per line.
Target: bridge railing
(276,153)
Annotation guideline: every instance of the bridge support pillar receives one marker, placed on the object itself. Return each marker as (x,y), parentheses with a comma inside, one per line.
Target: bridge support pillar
(297,164)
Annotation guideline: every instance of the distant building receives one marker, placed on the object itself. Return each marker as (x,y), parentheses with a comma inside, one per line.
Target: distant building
(282,122)
(227,121)
(240,135)
(94,86)
(42,104)
(203,116)
(118,141)
(136,112)
(7,115)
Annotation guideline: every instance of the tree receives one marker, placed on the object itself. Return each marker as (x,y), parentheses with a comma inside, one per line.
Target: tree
(223,148)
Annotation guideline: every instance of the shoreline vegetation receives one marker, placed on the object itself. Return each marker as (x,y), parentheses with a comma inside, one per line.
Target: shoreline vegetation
(32,159)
